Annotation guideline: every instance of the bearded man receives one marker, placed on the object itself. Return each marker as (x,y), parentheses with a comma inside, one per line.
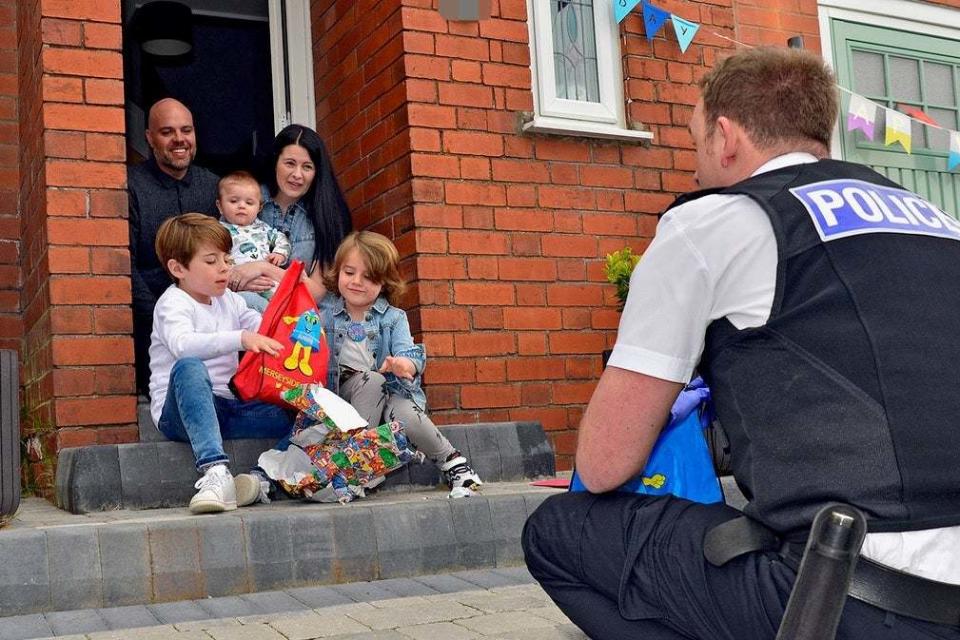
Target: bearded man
(163,186)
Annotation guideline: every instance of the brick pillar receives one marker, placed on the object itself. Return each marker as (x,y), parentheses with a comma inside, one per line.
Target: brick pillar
(78,351)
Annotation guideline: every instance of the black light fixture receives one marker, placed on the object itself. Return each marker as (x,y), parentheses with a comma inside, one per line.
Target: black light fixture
(165,28)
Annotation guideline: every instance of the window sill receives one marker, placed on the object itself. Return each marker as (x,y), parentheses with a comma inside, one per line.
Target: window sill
(561,126)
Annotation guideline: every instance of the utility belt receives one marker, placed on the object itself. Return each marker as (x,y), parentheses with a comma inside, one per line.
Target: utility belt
(876,584)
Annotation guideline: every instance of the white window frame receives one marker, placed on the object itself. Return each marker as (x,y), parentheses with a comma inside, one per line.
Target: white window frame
(926,19)
(553,114)
(298,69)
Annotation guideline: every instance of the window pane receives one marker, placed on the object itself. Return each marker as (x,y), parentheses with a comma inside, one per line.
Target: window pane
(938,139)
(575,50)
(938,83)
(868,74)
(905,79)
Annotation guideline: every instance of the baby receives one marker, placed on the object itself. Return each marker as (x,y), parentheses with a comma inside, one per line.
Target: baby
(239,201)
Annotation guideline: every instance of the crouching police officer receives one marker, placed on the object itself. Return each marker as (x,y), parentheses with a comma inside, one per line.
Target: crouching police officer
(821,302)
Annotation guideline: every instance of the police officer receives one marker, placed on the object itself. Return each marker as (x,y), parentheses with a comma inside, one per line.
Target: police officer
(820,301)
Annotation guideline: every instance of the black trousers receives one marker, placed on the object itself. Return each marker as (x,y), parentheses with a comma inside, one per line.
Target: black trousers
(629,566)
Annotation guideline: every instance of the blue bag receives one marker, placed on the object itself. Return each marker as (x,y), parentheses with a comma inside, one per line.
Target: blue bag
(680,463)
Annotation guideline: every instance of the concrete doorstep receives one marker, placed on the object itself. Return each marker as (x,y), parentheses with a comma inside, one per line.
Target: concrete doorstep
(56,561)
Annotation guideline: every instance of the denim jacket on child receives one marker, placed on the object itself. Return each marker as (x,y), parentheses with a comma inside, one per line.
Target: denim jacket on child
(388,334)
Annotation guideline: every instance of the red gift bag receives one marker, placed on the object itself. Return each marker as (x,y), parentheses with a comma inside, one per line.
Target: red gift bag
(291,317)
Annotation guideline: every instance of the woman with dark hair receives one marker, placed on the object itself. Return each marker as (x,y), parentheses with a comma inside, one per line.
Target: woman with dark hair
(302,199)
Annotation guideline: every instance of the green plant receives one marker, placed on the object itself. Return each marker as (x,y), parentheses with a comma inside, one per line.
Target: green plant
(618,268)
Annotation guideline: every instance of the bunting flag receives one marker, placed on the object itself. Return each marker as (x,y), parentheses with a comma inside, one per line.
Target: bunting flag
(898,129)
(862,115)
(954,160)
(685,31)
(653,19)
(918,114)
(623,7)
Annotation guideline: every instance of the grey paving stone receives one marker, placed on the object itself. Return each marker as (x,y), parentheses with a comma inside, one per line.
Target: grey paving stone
(559,632)
(307,626)
(316,552)
(244,452)
(521,575)
(457,435)
(473,527)
(139,474)
(438,546)
(396,542)
(165,632)
(485,579)
(363,591)
(485,450)
(437,630)
(24,581)
(85,621)
(32,625)
(175,560)
(174,612)
(88,479)
(511,455)
(509,513)
(179,473)
(538,459)
(131,617)
(124,564)
(223,556)
(534,500)
(148,430)
(225,606)
(74,559)
(246,632)
(269,550)
(273,602)
(319,597)
(445,583)
(356,544)
(373,635)
(411,614)
(406,587)
(504,622)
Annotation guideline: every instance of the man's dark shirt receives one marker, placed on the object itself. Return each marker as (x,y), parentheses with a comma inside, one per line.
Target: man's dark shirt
(154,197)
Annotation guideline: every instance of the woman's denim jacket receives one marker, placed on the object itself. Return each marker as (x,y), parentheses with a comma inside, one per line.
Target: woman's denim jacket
(296,225)
(388,334)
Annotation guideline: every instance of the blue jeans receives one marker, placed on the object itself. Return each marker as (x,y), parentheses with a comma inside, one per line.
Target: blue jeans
(191,413)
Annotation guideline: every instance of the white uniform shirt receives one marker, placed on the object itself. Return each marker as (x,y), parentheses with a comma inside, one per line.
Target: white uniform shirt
(716,257)
(183,328)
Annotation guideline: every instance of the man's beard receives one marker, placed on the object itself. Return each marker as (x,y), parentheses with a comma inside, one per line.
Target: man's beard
(167,159)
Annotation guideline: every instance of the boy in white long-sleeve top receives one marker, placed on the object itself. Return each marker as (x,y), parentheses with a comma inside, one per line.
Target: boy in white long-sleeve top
(198,329)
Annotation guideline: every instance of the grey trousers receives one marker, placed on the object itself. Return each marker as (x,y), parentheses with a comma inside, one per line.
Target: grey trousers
(367,392)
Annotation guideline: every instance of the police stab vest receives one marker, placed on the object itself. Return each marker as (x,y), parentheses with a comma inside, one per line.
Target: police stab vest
(851,391)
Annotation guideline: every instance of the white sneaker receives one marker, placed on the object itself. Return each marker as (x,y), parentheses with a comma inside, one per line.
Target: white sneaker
(251,487)
(216,491)
(459,474)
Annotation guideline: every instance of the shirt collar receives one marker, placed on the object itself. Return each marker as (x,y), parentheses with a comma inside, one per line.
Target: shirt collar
(380,305)
(165,179)
(268,200)
(786,160)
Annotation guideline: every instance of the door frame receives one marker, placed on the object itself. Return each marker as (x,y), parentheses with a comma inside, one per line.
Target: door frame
(291,58)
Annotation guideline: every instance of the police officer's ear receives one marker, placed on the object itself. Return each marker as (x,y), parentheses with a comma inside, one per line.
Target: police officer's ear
(733,138)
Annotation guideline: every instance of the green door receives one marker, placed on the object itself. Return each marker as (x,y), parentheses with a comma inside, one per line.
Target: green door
(891,68)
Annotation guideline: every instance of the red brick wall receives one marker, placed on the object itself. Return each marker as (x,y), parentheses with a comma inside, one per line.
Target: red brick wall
(78,351)
(11,326)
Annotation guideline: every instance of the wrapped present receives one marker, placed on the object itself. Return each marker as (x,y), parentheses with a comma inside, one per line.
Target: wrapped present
(327,461)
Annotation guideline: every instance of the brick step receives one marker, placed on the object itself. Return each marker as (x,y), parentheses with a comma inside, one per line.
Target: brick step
(56,561)
(159,474)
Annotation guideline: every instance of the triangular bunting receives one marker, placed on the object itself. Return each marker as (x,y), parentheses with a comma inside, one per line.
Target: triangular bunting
(653,19)
(898,129)
(862,115)
(954,158)
(623,7)
(917,114)
(685,31)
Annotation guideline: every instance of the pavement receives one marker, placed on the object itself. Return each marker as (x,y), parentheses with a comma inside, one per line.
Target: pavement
(489,603)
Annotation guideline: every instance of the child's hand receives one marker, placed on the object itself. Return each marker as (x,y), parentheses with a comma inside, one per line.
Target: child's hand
(257,343)
(276,259)
(399,366)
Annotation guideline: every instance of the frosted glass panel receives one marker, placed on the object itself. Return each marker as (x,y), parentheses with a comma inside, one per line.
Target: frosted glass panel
(938,82)
(868,74)
(905,79)
(575,50)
